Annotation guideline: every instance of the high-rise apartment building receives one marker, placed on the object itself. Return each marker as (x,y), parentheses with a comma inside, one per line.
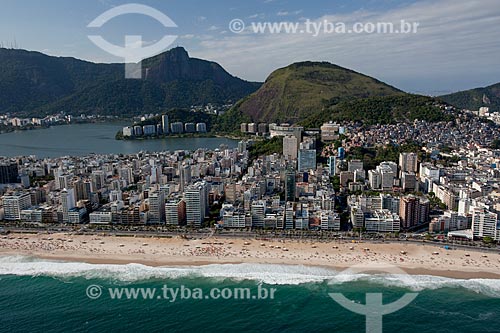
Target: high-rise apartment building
(290,147)
(8,173)
(156,207)
(164,124)
(307,160)
(196,198)
(409,211)
(14,203)
(408,162)
(485,224)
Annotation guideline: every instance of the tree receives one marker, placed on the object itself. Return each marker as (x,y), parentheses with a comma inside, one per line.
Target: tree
(488,240)
(336,183)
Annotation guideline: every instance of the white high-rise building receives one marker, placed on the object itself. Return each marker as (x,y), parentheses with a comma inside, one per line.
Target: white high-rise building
(128,131)
(155,174)
(330,221)
(62,180)
(290,147)
(172,210)
(196,198)
(464,206)
(115,195)
(392,165)
(375,179)
(258,213)
(14,203)
(68,202)
(382,221)
(289,222)
(233,219)
(430,171)
(408,162)
(201,127)
(387,176)
(156,207)
(485,224)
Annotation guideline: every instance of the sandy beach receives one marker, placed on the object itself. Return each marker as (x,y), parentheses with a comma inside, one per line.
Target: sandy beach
(413,258)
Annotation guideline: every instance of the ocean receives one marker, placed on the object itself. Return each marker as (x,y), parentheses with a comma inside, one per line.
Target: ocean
(39,295)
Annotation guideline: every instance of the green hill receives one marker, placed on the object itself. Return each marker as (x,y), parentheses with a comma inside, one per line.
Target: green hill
(311,93)
(475,98)
(33,83)
(293,93)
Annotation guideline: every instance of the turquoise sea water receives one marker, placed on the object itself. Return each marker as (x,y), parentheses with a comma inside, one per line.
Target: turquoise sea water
(41,296)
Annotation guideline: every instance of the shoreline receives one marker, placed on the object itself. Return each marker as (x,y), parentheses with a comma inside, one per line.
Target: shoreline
(452,274)
(418,259)
(119,136)
(12,129)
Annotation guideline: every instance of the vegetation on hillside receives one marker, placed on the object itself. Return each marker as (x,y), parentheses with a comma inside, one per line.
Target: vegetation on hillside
(372,157)
(229,122)
(266,147)
(381,110)
(475,98)
(293,93)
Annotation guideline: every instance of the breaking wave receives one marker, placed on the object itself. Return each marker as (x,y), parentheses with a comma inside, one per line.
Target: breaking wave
(264,273)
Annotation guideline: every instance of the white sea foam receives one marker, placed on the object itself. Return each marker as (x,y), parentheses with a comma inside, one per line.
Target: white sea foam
(489,287)
(270,274)
(265,273)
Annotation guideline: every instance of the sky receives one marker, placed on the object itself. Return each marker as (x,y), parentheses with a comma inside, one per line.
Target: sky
(456,45)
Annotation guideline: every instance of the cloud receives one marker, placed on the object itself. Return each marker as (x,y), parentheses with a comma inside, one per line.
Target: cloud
(213,28)
(287,13)
(261,16)
(455,47)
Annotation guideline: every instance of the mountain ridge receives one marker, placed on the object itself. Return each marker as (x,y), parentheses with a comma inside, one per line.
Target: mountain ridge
(475,98)
(34,83)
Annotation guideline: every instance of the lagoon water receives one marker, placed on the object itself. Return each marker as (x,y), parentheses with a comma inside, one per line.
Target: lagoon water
(99,138)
